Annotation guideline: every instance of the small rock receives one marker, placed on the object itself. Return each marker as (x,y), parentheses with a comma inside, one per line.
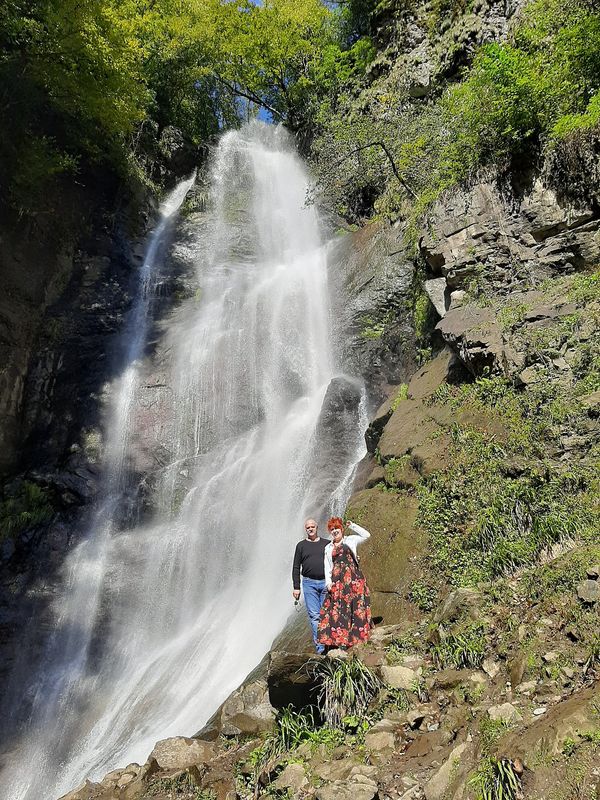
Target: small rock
(526,688)
(490,667)
(528,376)
(436,289)
(334,770)
(125,780)
(589,591)
(412,661)
(358,788)
(518,766)
(457,602)
(457,297)
(517,669)
(593,573)
(505,712)
(366,770)
(379,740)
(551,657)
(568,673)
(537,712)
(343,654)
(560,363)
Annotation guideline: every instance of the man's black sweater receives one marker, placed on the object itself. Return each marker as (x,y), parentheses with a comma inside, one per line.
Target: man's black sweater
(309,557)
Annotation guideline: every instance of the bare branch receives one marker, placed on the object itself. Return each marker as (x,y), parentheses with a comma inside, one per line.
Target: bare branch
(390,158)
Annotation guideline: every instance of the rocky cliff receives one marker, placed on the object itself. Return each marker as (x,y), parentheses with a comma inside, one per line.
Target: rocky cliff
(477,332)
(480,490)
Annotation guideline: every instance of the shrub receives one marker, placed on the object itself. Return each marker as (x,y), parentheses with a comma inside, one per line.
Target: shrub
(347,687)
(27,507)
(496,779)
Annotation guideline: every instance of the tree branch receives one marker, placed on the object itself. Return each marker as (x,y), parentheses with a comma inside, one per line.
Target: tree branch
(249,95)
(390,158)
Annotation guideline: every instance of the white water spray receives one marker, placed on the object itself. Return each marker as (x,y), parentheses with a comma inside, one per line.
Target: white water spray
(159,622)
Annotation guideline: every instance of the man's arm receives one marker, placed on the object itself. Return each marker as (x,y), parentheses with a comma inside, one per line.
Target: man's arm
(296,570)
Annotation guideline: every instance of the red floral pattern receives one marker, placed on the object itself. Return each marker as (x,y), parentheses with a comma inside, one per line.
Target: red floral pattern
(346,613)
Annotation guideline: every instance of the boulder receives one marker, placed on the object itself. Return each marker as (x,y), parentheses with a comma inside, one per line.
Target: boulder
(400,677)
(437,291)
(457,603)
(334,770)
(293,778)
(381,736)
(506,713)
(589,591)
(337,437)
(571,718)
(247,710)
(490,667)
(385,557)
(476,336)
(438,785)
(180,752)
(359,787)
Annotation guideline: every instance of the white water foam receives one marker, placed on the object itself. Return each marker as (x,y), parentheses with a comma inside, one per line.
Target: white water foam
(187,603)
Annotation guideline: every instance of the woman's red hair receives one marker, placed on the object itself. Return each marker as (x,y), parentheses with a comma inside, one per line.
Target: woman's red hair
(335,522)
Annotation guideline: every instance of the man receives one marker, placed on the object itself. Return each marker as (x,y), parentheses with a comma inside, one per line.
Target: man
(309,559)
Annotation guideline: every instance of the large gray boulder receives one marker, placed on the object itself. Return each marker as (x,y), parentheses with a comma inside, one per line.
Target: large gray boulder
(180,752)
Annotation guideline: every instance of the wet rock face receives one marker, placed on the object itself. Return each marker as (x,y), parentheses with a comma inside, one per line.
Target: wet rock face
(375,273)
(336,440)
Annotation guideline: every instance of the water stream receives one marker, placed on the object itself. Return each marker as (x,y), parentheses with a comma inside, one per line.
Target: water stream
(160,620)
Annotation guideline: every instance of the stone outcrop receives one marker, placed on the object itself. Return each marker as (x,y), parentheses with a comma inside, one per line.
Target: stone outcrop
(481,235)
(374,274)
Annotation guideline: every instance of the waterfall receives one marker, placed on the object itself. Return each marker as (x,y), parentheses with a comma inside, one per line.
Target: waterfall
(161,616)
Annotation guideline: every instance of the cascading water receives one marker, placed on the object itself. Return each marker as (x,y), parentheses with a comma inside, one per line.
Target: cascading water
(159,621)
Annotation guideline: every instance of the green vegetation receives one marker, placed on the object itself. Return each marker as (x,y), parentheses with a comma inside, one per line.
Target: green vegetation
(504,500)
(496,779)
(483,523)
(181,786)
(490,730)
(347,687)
(463,646)
(91,85)
(423,595)
(27,507)
(514,101)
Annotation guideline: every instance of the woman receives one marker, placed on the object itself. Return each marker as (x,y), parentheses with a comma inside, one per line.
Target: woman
(346,613)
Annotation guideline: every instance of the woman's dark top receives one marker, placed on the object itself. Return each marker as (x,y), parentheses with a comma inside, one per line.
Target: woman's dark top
(309,557)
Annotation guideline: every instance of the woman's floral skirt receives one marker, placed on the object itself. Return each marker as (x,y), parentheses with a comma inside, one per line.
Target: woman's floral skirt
(346,613)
